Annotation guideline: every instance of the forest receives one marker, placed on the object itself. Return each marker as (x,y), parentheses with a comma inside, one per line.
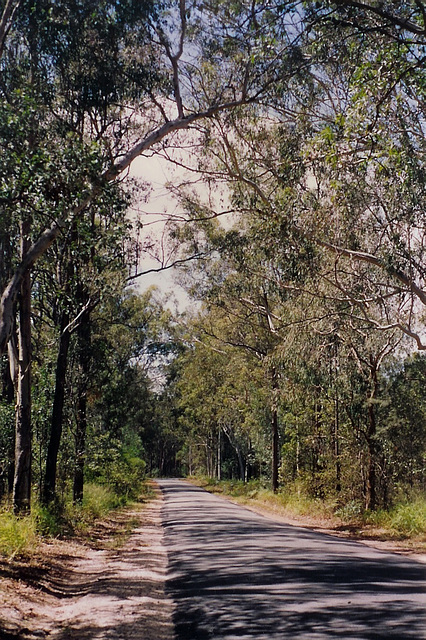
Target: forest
(295,135)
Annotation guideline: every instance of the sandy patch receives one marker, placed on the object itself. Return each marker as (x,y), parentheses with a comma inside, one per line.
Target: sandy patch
(72,591)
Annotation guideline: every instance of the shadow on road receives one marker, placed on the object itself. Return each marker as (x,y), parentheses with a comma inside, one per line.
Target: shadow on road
(235,574)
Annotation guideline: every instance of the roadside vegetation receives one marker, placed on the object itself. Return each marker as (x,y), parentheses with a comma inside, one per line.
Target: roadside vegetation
(20,535)
(405,521)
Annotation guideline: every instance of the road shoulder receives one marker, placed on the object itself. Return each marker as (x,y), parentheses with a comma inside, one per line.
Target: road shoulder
(113,587)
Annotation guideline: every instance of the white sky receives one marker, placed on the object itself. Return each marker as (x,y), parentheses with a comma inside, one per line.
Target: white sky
(157,172)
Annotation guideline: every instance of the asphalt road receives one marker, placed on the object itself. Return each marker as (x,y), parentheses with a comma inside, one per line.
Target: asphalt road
(237,575)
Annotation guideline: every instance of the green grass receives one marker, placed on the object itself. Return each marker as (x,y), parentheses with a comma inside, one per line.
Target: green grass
(405,520)
(63,518)
(18,535)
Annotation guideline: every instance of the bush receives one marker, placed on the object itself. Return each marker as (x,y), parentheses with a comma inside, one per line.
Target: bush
(98,500)
(119,467)
(51,520)
(351,511)
(65,518)
(126,476)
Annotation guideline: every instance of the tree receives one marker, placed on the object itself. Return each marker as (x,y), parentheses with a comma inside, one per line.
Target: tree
(246,73)
(132,341)
(97,101)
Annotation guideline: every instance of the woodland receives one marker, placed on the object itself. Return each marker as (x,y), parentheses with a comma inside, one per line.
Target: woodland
(296,131)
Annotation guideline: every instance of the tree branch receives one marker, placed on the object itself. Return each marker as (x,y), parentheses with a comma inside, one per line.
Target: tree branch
(48,237)
(378,10)
(6,21)
(371,259)
(176,263)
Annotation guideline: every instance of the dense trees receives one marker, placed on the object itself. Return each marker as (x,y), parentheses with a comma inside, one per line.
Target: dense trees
(304,123)
(327,238)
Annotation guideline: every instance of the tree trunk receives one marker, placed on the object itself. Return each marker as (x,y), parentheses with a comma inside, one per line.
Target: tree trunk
(49,488)
(22,477)
(275,435)
(338,470)
(80,447)
(8,396)
(370,498)
(219,454)
(275,450)
(241,464)
(84,350)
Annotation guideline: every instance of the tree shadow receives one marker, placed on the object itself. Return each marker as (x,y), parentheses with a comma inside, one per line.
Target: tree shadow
(236,574)
(110,593)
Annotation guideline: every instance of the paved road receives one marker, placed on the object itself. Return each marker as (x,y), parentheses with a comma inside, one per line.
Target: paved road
(237,575)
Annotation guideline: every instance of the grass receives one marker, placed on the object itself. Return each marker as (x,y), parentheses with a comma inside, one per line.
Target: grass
(405,520)
(20,535)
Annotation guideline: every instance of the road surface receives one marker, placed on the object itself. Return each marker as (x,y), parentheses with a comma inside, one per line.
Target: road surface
(237,575)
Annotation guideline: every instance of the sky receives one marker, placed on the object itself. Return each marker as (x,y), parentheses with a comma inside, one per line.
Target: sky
(157,172)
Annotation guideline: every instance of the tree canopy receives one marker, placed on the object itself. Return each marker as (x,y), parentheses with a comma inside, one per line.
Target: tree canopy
(299,130)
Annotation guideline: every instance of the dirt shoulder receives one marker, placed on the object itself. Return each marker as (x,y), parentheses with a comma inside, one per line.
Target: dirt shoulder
(112,586)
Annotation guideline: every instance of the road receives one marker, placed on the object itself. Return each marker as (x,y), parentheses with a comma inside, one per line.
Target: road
(237,575)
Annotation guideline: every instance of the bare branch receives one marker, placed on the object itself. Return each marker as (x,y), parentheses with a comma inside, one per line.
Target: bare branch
(6,21)
(378,10)
(176,263)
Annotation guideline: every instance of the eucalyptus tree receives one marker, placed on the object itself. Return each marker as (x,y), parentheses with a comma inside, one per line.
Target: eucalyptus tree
(59,104)
(402,427)
(91,88)
(344,143)
(368,160)
(210,59)
(327,187)
(223,401)
(132,341)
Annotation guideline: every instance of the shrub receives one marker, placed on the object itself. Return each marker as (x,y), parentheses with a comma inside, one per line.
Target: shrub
(351,511)
(98,500)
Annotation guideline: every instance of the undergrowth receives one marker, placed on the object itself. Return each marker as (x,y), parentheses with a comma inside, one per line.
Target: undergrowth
(407,519)
(20,535)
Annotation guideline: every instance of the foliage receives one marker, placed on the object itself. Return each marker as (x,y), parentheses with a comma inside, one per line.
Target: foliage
(405,519)
(118,468)
(65,518)
(307,126)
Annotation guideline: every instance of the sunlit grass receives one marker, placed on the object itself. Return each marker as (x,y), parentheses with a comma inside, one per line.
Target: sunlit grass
(18,535)
(407,519)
